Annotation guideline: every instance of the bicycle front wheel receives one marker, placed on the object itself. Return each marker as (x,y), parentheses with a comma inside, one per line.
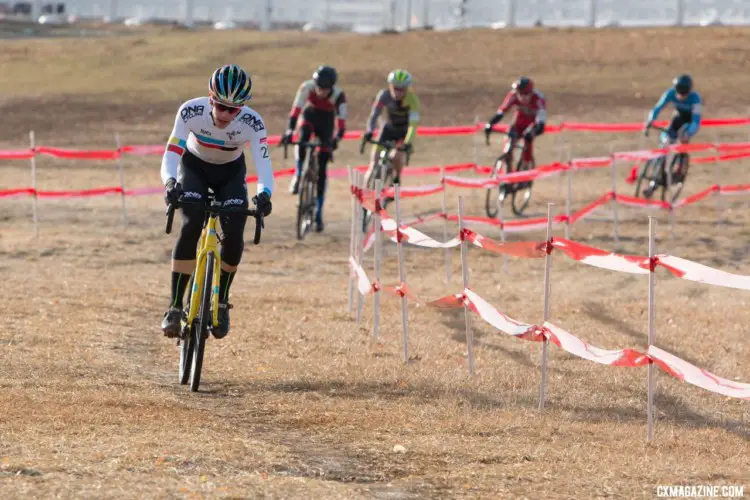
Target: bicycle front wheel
(306,207)
(495,195)
(649,178)
(522,190)
(201,326)
(187,347)
(678,168)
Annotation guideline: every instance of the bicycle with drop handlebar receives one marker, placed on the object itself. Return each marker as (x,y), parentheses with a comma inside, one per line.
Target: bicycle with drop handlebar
(203,300)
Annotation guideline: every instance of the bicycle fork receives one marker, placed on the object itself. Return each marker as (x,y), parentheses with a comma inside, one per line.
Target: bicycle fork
(208,240)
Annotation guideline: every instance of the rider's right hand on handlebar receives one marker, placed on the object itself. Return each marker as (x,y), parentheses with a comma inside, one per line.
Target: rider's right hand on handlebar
(286,138)
(646,128)
(172,191)
(487,132)
(367,137)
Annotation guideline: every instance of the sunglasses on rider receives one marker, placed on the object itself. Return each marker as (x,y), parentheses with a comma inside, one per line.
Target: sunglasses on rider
(226,109)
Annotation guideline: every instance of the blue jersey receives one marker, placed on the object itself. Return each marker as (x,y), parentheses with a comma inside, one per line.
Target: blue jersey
(690,106)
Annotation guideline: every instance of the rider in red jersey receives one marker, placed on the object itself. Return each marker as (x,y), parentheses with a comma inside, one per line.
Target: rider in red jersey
(530,116)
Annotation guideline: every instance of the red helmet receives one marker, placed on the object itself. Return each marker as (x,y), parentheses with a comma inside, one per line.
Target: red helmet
(523,85)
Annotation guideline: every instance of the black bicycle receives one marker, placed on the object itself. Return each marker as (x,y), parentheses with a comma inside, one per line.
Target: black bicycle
(203,306)
(654,173)
(520,192)
(308,187)
(383,171)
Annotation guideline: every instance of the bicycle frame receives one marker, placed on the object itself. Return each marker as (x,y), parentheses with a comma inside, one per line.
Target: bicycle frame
(208,243)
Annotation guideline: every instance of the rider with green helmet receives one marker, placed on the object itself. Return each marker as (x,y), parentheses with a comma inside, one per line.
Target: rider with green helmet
(401,107)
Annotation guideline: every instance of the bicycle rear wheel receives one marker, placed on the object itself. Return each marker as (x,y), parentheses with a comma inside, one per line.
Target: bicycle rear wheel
(307,194)
(522,190)
(495,195)
(678,168)
(201,326)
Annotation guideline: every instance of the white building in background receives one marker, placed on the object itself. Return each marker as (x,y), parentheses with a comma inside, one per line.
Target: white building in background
(375,15)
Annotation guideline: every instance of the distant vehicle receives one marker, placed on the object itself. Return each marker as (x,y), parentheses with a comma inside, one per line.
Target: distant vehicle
(52,19)
(225,25)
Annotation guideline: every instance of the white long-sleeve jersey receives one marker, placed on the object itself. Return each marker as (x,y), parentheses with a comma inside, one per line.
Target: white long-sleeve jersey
(195,131)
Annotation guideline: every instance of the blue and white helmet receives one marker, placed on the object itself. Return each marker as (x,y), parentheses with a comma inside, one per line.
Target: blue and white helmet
(230,85)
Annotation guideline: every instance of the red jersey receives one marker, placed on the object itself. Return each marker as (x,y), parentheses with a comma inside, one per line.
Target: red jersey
(532,111)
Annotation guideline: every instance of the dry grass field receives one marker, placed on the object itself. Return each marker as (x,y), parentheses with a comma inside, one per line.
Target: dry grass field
(298,401)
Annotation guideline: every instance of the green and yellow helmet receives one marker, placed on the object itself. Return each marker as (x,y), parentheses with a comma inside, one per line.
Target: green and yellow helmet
(399,78)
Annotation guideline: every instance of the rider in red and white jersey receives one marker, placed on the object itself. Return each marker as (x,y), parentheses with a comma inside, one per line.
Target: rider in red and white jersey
(320,101)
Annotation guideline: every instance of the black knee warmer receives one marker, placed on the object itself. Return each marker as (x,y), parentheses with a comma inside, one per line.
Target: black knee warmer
(233,227)
(190,232)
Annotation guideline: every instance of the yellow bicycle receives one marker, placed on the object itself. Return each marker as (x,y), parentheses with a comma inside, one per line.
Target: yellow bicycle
(203,299)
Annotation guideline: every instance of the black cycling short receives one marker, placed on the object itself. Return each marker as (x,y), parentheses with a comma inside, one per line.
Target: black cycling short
(391,133)
(318,122)
(227,181)
(679,120)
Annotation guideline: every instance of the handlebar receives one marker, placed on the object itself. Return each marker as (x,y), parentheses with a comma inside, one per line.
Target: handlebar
(217,210)
(311,145)
(388,145)
(487,138)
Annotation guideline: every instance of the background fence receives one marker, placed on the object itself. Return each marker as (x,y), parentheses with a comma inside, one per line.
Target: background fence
(375,15)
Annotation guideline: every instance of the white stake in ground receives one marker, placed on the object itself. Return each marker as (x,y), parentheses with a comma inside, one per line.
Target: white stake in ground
(718,181)
(502,231)
(121,171)
(475,137)
(614,196)
(547,291)
(465,277)
(445,228)
(568,175)
(651,333)
(671,156)
(402,276)
(359,244)
(352,235)
(560,148)
(34,197)
(378,254)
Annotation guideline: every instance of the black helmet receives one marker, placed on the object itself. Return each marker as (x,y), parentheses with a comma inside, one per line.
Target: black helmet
(683,84)
(524,85)
(325,77)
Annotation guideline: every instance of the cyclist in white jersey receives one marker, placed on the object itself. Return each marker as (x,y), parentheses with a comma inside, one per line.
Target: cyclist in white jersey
(205,151)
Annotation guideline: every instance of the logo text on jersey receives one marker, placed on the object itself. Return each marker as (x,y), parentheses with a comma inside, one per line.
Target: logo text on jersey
(234,201)
(233,133)
(205,132)
(252,121)
(190,112)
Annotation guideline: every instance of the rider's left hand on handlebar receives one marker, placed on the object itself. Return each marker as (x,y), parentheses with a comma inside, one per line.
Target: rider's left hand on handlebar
(646,128)
(262,202)
(408,149)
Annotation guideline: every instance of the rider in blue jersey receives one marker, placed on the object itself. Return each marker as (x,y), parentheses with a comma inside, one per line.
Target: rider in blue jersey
(687,104)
